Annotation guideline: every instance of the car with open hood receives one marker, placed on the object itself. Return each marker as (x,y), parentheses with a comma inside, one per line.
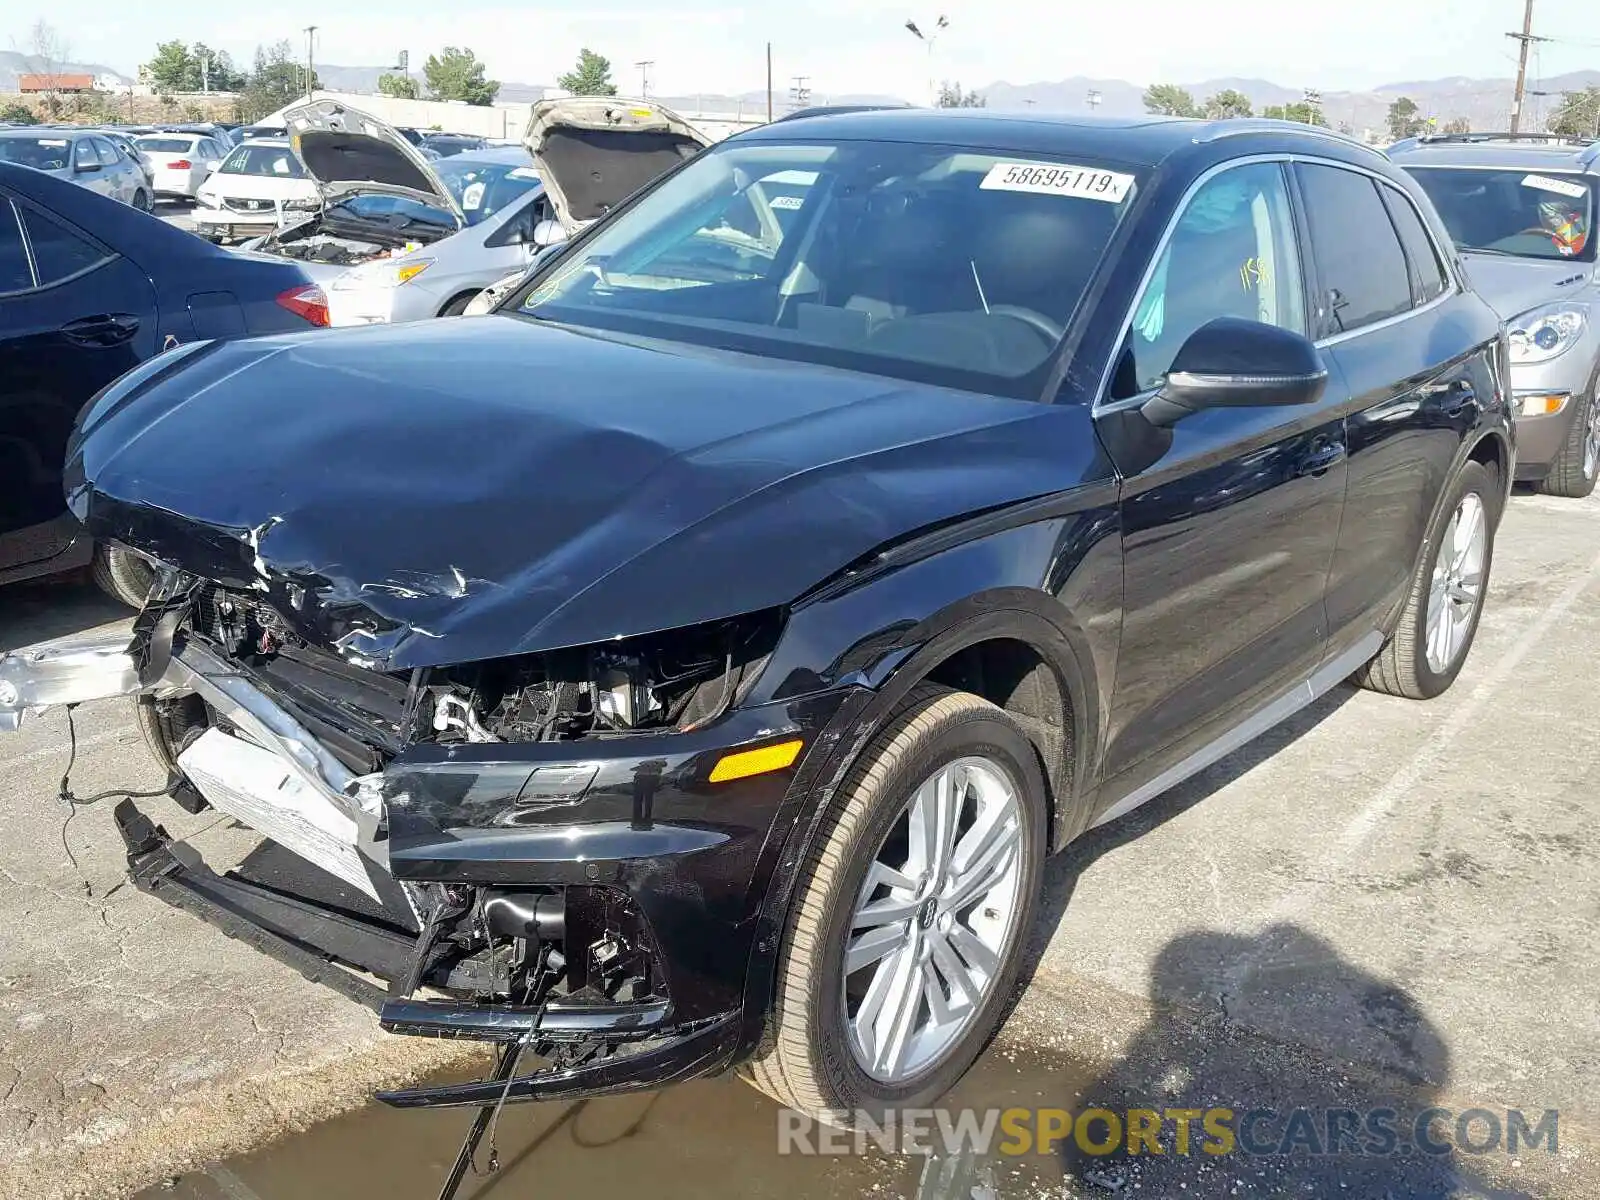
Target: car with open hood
(1521,209)
(689,665)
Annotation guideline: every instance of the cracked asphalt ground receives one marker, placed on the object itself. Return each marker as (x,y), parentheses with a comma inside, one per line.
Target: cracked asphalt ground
(1382,903)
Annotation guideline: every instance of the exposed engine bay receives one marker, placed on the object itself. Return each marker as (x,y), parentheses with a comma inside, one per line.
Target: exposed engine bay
(345,238)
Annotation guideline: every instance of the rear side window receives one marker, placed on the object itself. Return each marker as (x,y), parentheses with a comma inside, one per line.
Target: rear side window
(1364,275)
(15,274)
(59,252)
(1427,272)
(83,154)
(107,152)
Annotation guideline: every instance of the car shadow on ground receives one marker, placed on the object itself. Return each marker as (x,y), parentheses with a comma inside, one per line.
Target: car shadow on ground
(61,606)
(1364,1121)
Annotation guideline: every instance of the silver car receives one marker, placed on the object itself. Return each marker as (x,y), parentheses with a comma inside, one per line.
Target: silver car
(87,159)
(503,204)
(1521,209)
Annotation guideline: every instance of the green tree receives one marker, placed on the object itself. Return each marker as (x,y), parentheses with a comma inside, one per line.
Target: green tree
(1228,103)
(1406,119)
(456,74)
(213,69)
(1578,115)
(171,69)
(951,96)
(1300,112)
(400,86)
(591,77)
(276,80)
(17,113)
(1170,100)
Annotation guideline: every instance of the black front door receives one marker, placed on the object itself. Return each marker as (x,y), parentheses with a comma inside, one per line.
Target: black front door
(1229,517)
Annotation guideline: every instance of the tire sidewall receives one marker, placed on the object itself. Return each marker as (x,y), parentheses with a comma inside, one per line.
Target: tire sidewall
(1472,478)
(971,733)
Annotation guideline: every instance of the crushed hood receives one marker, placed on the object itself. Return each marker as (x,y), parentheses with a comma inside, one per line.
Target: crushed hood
(1514,285)
(348,152)
(454,491)
(593,152)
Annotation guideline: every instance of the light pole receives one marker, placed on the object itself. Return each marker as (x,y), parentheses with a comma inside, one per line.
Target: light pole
(928,39)
(311,73)
(644,77)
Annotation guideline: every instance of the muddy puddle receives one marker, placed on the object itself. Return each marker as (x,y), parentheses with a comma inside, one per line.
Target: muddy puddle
(716,1137)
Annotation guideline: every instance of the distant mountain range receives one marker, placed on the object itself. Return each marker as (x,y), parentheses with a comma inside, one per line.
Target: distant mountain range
(13,64)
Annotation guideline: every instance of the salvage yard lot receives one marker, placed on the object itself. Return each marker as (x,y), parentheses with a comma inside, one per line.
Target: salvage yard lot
(1381,893)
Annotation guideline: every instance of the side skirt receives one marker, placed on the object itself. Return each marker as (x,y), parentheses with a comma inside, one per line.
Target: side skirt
(1321,681)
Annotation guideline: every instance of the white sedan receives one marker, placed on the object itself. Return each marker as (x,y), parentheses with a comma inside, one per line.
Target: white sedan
(179,162)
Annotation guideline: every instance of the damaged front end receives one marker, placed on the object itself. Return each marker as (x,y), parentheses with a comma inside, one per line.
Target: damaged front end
(563,853)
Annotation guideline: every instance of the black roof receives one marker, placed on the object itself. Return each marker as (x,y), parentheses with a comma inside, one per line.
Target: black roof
(1142,140)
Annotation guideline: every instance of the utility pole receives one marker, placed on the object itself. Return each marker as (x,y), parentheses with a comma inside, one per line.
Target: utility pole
(1094,99)
(799,93)
(311,73)
(644,77)
(1525,37)
(205,74)
(769,83)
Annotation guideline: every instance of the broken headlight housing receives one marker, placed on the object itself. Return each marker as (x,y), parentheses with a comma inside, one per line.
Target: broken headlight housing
(679,679)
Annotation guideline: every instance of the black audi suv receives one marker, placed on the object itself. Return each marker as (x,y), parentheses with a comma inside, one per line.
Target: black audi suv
(689,665)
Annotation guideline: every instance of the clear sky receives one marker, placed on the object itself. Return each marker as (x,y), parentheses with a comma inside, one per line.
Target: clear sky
(861,45)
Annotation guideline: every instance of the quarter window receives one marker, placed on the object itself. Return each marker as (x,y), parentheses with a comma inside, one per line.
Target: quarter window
(15,274)
(1427,272)
(1364,274)
(1232,253)
(106,151)
(83,154)
(59,252)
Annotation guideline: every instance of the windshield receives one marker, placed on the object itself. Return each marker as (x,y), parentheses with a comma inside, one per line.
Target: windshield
(1526,213)
(167,145)
(483,189)
(933,263)
(42,154)
(263,160)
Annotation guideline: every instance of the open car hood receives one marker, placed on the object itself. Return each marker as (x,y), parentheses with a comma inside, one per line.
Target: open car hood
(348,152)
(593,152)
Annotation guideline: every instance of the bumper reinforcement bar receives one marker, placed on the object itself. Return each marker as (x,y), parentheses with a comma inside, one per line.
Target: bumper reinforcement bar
(261,918)
(549,1022)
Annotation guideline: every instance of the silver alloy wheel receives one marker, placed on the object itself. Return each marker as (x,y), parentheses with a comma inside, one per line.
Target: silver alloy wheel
(1591,442)
(1457,585)
(932,919)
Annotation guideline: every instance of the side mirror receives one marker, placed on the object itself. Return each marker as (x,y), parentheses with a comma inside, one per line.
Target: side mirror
(548,233)
(1232,363)
(85,168)
(211,167)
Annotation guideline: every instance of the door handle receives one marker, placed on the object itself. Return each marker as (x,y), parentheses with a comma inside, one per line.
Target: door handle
(1320,460)
(106,329)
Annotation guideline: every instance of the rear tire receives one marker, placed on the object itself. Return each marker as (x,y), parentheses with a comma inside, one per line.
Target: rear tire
(141,201)
(1410,664)
(1577,465)
(813,1057)
(122,575)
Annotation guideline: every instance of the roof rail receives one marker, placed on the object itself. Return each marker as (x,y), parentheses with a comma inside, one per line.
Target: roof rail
(1486,136)
(1233,127)
(830,110)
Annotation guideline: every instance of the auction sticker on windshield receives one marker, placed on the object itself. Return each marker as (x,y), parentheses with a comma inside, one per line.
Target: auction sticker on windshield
(1057,179)
(1561,187)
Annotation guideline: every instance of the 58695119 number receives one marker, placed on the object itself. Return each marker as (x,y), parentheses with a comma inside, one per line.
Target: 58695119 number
(1058,179)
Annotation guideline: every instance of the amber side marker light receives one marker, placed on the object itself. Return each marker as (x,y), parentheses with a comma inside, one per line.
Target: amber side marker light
(756,762)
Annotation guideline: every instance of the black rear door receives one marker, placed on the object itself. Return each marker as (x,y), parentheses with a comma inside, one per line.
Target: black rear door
(74,315)
(1231,515)
(1387,312)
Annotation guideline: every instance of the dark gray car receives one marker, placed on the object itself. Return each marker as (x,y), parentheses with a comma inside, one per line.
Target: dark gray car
(87,159)
(1521,211)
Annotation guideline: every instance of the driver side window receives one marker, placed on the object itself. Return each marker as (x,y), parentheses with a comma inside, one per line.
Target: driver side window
(1232,253)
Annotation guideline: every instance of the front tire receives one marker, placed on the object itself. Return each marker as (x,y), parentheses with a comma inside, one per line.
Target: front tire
(1577,464)
(1440,621)
(903,939)
(458,305)
(122,575)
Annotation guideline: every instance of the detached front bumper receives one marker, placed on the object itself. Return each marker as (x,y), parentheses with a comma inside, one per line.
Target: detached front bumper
(627,839)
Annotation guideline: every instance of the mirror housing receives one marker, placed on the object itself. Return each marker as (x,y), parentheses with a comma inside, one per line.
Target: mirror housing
(211,167)
(84,168)
(548,233)
(1233,363)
